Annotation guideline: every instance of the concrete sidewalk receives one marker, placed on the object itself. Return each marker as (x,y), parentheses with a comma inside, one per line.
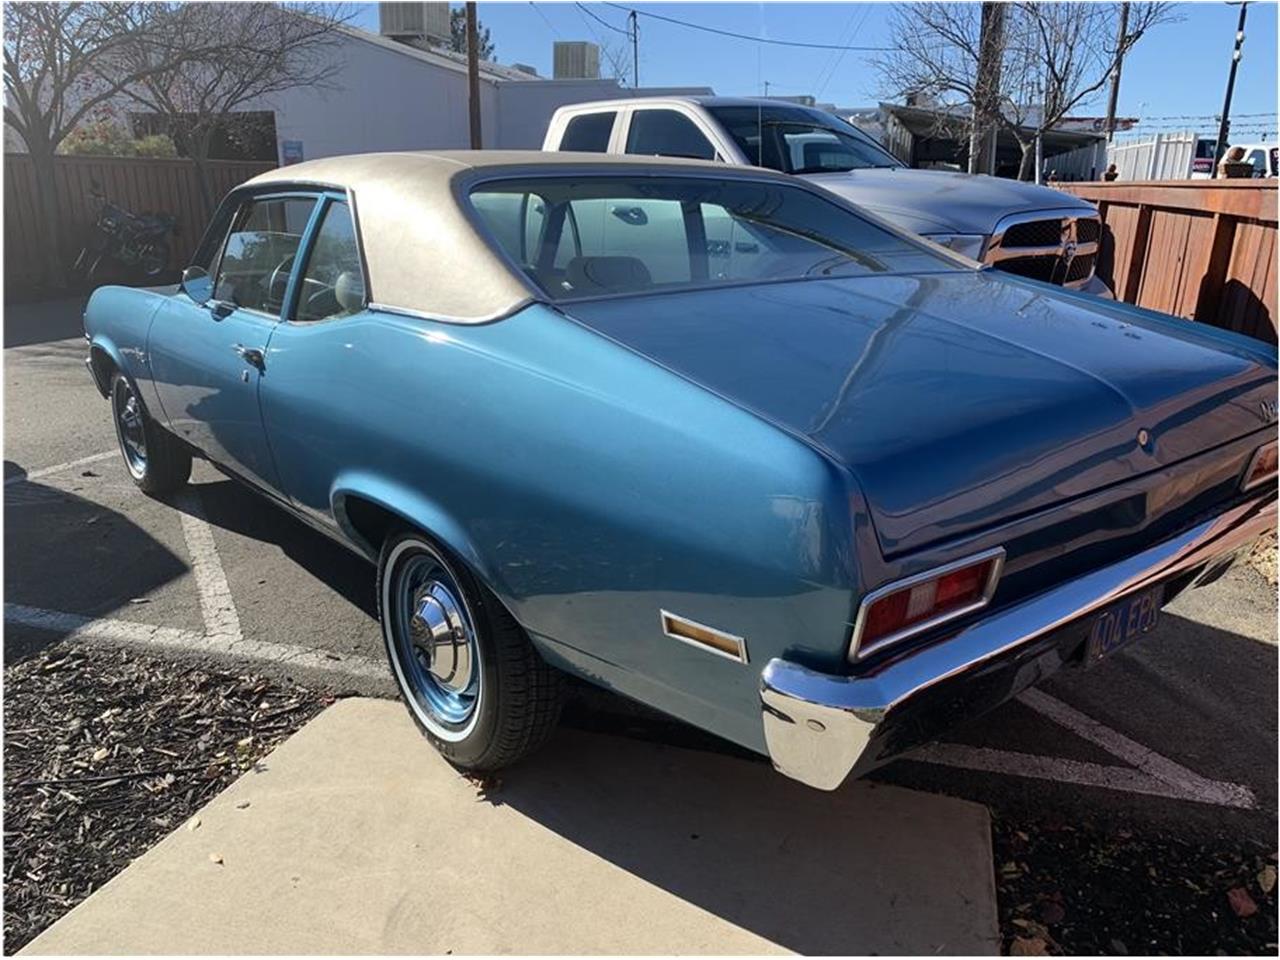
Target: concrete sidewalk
(358,839)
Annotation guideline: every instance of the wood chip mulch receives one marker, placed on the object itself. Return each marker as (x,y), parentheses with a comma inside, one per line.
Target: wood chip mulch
(106,752)
(1080,888)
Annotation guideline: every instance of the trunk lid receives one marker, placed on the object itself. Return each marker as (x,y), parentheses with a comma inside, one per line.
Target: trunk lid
(961,399)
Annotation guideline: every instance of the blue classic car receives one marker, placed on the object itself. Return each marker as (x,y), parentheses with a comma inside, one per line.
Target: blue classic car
(709,437)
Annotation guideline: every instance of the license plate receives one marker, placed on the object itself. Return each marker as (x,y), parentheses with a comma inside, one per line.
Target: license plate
(1121,624)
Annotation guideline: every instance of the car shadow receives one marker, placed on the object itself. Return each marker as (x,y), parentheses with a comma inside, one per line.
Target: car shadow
(233,507)
(67,554)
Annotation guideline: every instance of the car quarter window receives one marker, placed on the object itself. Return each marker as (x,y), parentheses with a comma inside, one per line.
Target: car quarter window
(258,257)
(588,132)
(667,133)
(333,281)
(602,235)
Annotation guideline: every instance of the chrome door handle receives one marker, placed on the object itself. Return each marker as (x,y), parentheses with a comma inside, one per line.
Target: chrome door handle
(251,355)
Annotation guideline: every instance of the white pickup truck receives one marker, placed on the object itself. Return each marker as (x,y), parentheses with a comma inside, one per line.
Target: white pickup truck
(1032,231)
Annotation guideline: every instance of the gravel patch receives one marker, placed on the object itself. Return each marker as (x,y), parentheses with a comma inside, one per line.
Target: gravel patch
(1263,557)
(1080,888)
(107,751)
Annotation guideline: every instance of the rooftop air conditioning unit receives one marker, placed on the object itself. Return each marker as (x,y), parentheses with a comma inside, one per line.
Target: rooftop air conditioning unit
(412,21)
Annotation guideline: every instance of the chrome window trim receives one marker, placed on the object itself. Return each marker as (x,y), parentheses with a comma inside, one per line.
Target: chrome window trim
(857,652)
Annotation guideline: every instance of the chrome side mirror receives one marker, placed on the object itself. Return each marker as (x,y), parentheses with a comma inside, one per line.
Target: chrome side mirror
(197,284)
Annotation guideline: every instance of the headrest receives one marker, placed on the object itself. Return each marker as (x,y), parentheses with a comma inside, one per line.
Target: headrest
(349,291)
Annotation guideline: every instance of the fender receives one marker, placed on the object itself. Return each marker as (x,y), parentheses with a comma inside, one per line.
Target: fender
(416,510)
(113,335)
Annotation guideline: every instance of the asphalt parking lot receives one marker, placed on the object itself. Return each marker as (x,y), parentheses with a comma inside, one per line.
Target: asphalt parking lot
(1179,731)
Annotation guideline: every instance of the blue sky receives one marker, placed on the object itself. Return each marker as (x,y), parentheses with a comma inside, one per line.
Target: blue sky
(1177,70)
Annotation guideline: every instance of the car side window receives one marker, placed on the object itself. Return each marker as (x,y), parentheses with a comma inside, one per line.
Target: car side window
(333,281)
(667,133)
(258,257)
(588,132)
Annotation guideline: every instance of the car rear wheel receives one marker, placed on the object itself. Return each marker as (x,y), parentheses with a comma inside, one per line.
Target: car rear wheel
(473,683)
(158,462)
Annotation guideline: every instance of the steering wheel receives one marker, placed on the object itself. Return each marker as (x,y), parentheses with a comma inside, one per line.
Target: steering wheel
(279,281)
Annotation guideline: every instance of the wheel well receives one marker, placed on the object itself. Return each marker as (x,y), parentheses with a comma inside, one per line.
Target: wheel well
(103,367)
(369,521)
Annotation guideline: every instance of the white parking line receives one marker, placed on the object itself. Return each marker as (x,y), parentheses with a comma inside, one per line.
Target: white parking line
(1149,772)
(1190,784)
(59,467)
(216,604)
(87,629)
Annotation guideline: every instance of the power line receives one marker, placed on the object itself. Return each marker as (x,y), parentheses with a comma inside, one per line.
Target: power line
(740,36)
(599,19)
(618,69)
(550,25)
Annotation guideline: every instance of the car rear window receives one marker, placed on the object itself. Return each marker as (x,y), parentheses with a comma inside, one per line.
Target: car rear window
(591,236)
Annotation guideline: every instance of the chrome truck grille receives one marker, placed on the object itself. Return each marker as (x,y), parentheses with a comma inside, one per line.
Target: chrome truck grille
(1054,246)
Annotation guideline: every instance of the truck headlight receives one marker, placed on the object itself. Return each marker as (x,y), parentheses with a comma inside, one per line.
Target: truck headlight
(969,245)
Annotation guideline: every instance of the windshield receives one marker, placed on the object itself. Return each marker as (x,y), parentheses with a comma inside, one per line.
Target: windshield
(795,140)
(591,236)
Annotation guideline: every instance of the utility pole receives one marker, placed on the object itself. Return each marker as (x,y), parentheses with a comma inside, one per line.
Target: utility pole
(1231,85)
(473,75)
(986,87)
(635,49)
(1115,74)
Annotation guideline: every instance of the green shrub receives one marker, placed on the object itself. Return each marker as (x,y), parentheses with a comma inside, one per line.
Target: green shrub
(105,138)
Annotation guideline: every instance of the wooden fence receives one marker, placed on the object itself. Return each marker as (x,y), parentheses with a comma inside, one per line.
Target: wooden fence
(137,184)
(1200,249)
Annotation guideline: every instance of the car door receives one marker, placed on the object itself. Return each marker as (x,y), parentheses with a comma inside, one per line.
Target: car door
(318,353)
(208,361)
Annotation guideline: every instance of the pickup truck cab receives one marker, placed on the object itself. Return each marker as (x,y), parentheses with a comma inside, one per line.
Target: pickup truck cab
(1035,232)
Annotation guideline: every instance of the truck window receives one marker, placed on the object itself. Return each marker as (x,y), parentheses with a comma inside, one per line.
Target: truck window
(588,132)
(667,133)
(798,140)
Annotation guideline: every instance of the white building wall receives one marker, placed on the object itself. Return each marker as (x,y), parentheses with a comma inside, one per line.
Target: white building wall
(383,99)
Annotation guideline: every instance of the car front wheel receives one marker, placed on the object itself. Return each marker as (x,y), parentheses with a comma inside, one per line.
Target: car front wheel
(473,683)
(158,462)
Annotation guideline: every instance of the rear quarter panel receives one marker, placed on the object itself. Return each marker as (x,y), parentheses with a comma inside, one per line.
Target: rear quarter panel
(588,487)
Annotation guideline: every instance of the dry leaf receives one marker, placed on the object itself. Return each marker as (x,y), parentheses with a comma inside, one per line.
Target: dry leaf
(100,754)
(1267,878)
(1241,903)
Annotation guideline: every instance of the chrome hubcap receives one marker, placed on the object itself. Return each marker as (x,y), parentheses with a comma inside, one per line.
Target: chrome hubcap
(441,640)
(436,641)
(130,428)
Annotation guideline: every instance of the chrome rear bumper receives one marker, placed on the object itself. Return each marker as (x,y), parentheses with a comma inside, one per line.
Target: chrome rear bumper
(818,727)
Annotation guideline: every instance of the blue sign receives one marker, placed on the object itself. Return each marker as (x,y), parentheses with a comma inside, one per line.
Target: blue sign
(290,152)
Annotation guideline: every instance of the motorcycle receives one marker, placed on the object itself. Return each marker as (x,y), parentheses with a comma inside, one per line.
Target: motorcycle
(134,240)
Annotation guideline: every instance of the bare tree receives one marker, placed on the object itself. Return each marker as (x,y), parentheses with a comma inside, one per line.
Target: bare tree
(1052,58)
(257,50)
(62,62)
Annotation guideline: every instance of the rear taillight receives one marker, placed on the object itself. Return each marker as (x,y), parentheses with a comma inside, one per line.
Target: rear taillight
(924,601)
(1262,467)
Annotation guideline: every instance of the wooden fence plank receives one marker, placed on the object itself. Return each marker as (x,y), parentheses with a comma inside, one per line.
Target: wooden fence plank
(139,184)
(1202,249)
